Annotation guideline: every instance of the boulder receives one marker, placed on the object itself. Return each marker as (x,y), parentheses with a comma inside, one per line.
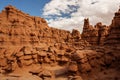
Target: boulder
(73,67)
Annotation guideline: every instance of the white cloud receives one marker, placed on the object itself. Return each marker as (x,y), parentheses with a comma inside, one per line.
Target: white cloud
(55,7)
(77,10)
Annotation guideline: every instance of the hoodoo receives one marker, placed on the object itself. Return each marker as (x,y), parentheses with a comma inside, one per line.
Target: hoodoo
(113,37)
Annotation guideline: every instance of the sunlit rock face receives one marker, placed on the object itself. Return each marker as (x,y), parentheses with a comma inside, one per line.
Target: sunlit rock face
(19,28)
(24,38)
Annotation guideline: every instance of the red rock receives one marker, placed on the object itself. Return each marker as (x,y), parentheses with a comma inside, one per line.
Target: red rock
(73,67)
(76,34)
(94,35)
(86,67)
(113,37)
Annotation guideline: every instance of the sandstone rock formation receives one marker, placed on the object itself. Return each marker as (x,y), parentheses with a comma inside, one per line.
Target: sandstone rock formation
(94,35)
(113,37)
(18,28)
(27,40)
(30,49)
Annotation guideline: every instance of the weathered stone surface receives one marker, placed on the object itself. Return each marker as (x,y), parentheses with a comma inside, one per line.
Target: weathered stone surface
(76,34)
(113,37)
(27,62)
(75,78)
(73,67)
(94,35)
(21,32)
(19,54)
(27,57)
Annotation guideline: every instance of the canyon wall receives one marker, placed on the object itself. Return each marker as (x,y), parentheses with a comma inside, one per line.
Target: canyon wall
(18,28)
(24,37)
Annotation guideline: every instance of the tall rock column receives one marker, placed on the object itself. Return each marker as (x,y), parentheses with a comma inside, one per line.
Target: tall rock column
(102,32)
(90,34)
(114,32)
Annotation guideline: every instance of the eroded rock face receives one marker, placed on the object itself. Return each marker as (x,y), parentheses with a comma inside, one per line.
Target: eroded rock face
(90,34)
(113,37)
(94,35)
(27,40)
(18,28)
(102,33)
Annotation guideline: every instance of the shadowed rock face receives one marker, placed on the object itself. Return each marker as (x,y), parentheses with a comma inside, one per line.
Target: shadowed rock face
(113,37)
(94,35)
(30,49)
(102,34)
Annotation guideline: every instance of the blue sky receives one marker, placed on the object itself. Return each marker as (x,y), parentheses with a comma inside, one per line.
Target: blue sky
(33,7)
(67,14)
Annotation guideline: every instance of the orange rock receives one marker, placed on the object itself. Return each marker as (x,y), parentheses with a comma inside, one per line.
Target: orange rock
(113,37)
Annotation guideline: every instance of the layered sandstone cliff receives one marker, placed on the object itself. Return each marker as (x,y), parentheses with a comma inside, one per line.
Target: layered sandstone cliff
(18,28)
(25,39)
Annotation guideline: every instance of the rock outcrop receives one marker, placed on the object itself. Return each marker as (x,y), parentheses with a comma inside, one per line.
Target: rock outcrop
(113,37)
(94,35)
(89,33)
(25,40)
(18,28)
